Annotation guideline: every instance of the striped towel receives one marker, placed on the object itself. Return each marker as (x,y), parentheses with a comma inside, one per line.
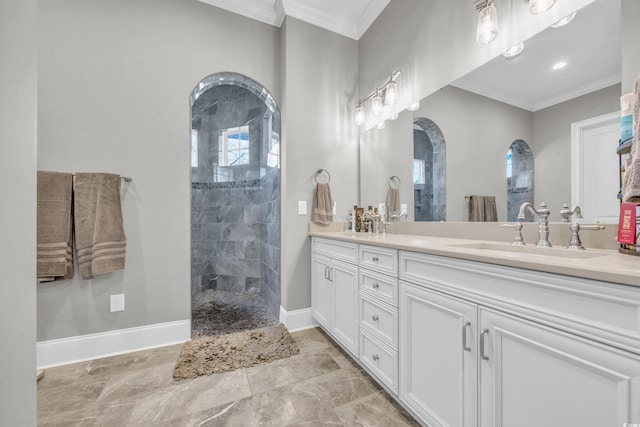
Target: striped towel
(99,228)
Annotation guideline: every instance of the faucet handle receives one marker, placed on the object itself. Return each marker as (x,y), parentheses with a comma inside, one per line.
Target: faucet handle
(517,239)
(575,243)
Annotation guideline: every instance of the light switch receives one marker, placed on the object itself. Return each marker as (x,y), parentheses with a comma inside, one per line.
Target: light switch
(116,303)
(334,208)
(302,207)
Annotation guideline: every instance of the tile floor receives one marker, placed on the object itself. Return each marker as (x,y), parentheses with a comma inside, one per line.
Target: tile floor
(319,386)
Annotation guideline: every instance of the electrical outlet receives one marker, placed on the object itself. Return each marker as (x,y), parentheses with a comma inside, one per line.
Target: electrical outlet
(117,303)
(302,207)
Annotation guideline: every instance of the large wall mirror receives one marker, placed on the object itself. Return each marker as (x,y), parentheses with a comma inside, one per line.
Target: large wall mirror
(506,100)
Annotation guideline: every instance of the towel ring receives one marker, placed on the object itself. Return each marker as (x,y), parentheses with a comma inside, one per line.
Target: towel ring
(394,180)
(319,173)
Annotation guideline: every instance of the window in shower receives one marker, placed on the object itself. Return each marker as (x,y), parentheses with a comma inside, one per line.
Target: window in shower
(194,148)
(234,146)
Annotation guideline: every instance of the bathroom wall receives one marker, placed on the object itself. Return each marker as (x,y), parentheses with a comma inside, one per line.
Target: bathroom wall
(552,144)
(18,84)
(320,86)
(630,38)
(114,83)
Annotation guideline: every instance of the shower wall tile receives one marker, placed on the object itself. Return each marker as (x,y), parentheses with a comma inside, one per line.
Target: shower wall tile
(249,267)
(232,214)
(252,214)
(252,250)
(245,196)
(229,249)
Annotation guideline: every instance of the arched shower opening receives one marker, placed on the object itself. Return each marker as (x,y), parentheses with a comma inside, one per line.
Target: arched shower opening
(429,171)
(519,161)
(235,205)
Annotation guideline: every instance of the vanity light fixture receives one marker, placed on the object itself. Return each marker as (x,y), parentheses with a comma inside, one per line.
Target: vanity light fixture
(414,106)
(381,100)
(564,21)
(540,6)
(513,51)
(487,29)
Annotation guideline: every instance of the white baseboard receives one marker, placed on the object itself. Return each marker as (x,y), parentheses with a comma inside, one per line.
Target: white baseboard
(87,347)
(297,320)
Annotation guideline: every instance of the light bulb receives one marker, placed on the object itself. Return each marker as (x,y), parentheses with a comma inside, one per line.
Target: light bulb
(391,94)
(414,106)
(381,125)
(540,6)
(487,24)
(360,117)
(376,104)
(394,116)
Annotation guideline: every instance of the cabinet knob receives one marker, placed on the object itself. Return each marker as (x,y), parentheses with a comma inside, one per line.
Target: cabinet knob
(375,317)
(376,285)
(375,357)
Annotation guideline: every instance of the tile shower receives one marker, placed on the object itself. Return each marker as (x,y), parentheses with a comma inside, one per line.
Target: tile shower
(235,206)
(430,148)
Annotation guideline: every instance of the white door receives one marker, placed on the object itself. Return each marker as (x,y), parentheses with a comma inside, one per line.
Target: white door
(438,363)
(532,376)
(595,175)
(321,305)
(344,279)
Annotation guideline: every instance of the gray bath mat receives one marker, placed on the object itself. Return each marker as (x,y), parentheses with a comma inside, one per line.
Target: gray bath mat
(212,355)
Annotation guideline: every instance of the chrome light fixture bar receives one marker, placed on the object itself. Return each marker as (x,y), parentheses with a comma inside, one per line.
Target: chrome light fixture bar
(487,29)
(386,95)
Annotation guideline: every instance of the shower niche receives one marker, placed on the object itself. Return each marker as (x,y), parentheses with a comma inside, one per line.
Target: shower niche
(235,205)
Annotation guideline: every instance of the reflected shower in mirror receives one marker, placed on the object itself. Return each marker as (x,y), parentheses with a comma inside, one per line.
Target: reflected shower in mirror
(519,179)
(429,167)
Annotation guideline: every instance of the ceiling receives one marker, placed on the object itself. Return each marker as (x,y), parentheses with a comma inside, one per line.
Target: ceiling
(590,45)
(351,18)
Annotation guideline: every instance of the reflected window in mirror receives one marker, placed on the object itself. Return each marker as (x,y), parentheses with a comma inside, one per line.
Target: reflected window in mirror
(519,166)
(429,153)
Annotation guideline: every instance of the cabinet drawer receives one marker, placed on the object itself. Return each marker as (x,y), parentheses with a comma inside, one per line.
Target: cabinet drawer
(335,249)
(379,259)
(382,361)
(383,287)
(381,318)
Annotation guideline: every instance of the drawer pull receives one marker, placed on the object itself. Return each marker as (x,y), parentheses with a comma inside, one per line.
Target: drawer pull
(374,259)
(375,285)
(482,339)
(464,336)
(375,357)
(375,317)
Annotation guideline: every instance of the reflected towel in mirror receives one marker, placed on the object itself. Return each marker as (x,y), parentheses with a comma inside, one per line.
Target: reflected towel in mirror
(482,208)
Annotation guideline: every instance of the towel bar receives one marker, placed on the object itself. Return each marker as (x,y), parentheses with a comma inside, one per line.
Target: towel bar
(394,180)
(319,172)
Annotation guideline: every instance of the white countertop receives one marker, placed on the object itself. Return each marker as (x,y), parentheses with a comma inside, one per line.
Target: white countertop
(601,264)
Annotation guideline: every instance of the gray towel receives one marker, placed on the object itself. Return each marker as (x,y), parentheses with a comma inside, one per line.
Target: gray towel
(323,204)
(54,232)
(631,185)
(482,209)
(100,237)
(393,200)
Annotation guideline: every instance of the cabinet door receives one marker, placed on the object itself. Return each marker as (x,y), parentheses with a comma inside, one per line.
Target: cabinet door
(321,303)
(532,375)
(438,357)
(344,278)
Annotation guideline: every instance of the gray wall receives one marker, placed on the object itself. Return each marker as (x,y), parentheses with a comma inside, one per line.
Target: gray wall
(320,71)
(18,85)
(114,84)
(552,144)
(630,37)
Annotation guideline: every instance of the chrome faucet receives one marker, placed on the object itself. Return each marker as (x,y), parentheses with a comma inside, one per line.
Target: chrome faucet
(566,213)
(543,221)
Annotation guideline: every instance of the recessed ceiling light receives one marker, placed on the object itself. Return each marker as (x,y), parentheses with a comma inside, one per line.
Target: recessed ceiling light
(513,51)
(564,21)
(559,65)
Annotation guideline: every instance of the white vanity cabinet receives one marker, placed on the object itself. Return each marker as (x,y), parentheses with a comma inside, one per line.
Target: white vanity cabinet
(379,313)
(493,346)
(334,290)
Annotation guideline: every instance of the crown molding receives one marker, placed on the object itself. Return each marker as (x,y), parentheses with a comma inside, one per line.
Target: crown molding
(273,12)
(261,10)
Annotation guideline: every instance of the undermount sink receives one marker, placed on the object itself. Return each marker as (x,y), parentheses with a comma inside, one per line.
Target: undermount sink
(534,250)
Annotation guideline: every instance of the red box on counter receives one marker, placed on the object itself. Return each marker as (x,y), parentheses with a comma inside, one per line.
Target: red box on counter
(628,225)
